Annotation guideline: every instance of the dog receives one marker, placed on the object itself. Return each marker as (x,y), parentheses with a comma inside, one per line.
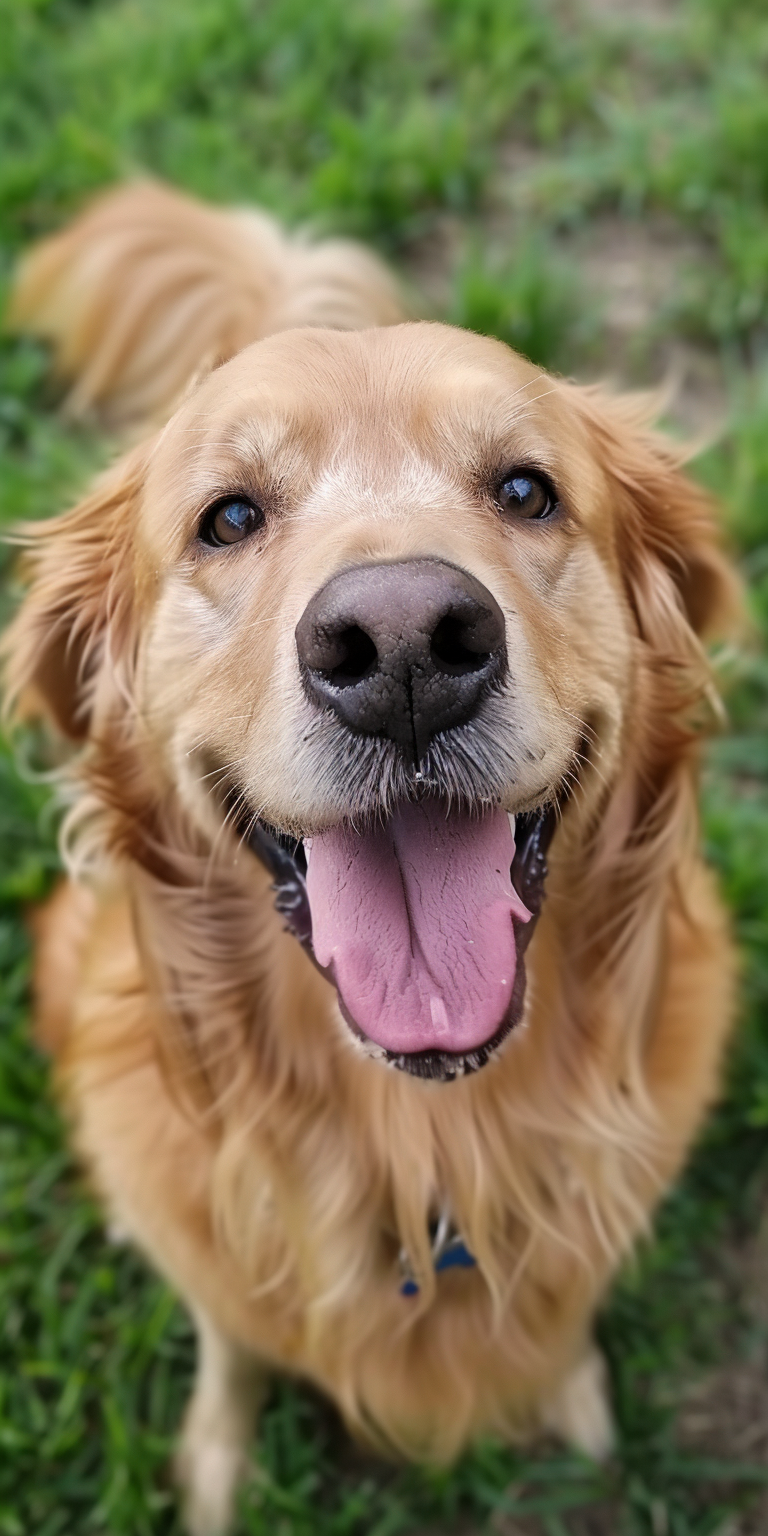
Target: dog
(388,987)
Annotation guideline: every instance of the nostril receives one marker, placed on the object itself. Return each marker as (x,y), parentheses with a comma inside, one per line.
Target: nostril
(451,649)
(357,657)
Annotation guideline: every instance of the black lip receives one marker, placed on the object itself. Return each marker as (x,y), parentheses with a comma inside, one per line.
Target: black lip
(284,857)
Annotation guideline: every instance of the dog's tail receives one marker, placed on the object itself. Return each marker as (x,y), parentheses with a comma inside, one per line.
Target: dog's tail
(148,287)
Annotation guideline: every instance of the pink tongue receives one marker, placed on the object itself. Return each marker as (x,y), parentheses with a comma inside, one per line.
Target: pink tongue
(415,922)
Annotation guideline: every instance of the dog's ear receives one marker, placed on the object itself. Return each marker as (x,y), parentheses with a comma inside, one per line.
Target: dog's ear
(678,580)
(69,651)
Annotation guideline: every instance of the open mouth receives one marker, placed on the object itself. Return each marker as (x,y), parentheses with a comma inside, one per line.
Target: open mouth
(421,922)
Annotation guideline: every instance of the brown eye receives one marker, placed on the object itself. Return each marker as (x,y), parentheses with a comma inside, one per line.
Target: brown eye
(229,522)
(525,495)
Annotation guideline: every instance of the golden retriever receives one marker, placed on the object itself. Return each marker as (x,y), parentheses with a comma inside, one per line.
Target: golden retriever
(389,987)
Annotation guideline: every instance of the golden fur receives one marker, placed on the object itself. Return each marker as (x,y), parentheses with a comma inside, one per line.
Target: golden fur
(194,285)
(265,1166)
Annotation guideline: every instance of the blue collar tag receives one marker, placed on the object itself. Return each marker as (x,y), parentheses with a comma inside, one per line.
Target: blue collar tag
(454,1255)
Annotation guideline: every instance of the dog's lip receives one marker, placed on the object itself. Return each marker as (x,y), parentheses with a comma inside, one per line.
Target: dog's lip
(283,854)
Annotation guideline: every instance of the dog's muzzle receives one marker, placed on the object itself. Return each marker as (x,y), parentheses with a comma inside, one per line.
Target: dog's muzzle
(421,911)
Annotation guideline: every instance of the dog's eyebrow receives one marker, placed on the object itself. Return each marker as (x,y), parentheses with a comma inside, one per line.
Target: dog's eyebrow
(244,458)
(253,435)
(376,486)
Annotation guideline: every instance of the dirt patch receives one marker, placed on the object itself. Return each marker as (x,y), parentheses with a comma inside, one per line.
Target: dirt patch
(430,263)
(652,13)
(635,265)
(726,1414)
(599,1520)
(635,270)
(724,1418)
(631,272)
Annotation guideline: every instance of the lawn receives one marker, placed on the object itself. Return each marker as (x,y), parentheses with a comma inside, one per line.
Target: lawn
(590,182)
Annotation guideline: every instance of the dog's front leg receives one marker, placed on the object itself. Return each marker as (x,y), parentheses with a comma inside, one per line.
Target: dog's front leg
(580,1411)
(219,1425)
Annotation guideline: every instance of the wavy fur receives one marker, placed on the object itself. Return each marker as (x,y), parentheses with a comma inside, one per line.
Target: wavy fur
(266,1167)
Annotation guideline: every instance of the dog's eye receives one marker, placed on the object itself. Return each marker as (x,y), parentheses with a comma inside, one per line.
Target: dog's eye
(525,495)
(229,522)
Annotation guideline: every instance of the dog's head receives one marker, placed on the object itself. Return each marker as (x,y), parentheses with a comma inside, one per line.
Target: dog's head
(382,601)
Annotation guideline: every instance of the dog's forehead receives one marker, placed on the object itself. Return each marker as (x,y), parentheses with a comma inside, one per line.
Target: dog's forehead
(445,390)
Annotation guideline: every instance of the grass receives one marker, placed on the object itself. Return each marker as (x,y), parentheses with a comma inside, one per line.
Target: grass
(398,121)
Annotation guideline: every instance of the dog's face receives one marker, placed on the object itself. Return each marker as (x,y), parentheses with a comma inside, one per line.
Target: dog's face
(335,520)
(388,623)
(382,619)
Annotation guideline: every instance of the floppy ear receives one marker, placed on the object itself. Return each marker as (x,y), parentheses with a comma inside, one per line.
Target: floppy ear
(678,580)
(69,652)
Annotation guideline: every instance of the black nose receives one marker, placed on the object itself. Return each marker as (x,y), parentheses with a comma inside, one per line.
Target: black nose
(402,650)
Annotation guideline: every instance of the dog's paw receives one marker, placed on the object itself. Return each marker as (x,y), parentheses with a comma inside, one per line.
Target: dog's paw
(208,1472)
(580,1412)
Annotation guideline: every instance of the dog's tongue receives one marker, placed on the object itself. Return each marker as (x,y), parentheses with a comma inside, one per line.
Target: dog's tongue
(414,921)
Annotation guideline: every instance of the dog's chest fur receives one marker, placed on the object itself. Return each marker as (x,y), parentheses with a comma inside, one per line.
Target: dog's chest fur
(287,1234)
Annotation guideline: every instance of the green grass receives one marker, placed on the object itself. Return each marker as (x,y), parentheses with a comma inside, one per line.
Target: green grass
(394,120)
